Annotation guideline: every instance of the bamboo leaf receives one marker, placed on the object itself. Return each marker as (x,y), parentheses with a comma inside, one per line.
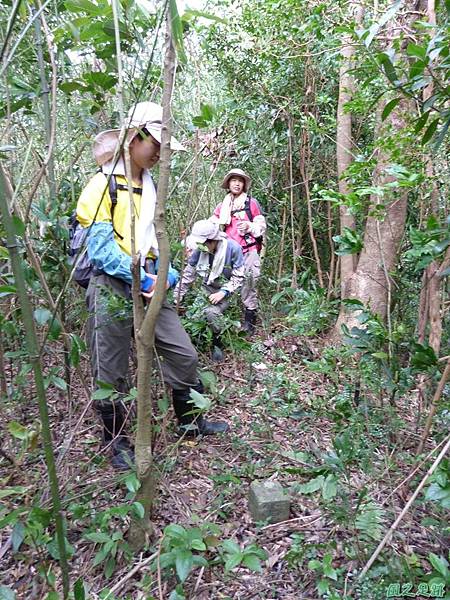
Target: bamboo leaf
(389,108)
(431,129)
(177,31)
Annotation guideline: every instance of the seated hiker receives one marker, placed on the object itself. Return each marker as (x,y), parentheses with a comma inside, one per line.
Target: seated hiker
(242,220)
(108,243)
(219,261)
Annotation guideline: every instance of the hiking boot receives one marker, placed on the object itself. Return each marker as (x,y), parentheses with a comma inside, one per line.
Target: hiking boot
(217,354)
(122,454)
(203,427)
(249,321)
(190,424)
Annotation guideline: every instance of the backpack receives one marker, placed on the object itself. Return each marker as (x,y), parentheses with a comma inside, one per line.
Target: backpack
(259,241)
(78,256)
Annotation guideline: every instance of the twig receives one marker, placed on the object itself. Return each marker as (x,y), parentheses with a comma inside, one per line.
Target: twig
(397,521)
(130,574)
(313,516)
(199,578)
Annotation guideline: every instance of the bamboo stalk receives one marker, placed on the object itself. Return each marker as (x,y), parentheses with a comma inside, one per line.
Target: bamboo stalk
(34,357)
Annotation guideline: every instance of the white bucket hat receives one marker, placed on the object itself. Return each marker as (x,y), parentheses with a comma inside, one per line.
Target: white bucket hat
(237,173)
(146,115)
(201,231)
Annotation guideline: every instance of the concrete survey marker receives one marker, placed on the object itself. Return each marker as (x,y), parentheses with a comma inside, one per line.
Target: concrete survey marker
(268,502)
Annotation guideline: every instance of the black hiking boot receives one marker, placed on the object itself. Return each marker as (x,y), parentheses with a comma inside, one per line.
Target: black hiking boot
(122,454)
(113,419)
(217,352)
(249,321)
(192,425)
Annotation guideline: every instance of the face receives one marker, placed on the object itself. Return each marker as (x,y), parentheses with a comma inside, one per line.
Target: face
(144,152)
(211,245)
(236,185)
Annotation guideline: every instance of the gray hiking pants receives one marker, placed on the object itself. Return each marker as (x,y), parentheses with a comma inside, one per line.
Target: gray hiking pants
(109,337)
(252,265)
(213,311)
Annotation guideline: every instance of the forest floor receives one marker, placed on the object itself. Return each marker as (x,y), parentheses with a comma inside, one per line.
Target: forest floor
(290,425)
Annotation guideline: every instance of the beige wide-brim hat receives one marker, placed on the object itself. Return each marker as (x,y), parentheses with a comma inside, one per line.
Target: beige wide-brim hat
(201,231)
(237,173)
(146,115)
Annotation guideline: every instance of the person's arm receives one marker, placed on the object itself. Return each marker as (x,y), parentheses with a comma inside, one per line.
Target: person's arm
(237,273)
(258,226)
(94,213)
(106,255)
(188,277)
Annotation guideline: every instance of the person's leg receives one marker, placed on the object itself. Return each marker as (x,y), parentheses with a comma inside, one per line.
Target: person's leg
(249,295)
(212,314)
(179,362)
(109,335)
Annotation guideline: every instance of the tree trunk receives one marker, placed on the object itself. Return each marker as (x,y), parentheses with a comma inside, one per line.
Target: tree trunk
(371,282)
(145,337)
(344,143)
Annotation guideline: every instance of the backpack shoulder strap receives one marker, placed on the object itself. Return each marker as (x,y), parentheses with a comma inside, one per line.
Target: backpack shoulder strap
(248,208)
(113,196)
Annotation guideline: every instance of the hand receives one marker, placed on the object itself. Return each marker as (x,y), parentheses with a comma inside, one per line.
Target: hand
(151,290)
(217,297)
(243,227)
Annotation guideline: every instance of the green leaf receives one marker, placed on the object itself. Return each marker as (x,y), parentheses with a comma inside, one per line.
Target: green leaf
(198,545)
(314,565)
(233,561)
(388,67)
(109,567)
(439,564)
(200,401)
(252,562)
(132,482)
(177,31)
(230,547)
(389,108)
(209,380)
(175,531)
(329,489)
(311,486)
(139,510)
(42,316)
(420,124)
(328,570)
(323,587)
(430,131)
(18,535)
(19,226)
(102,394)
(55,329)
(17,430)
(79,591)
(423,357)
(18,489)
(59,383)
(98,537)
(415,50)
(6,290)
(380,355)
(189,14)
(177,593)
(183,563)
(7,593)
